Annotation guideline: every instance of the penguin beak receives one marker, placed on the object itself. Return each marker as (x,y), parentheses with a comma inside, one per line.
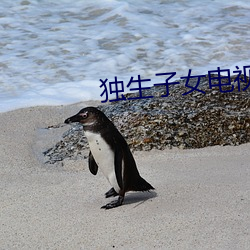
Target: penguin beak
(74,118)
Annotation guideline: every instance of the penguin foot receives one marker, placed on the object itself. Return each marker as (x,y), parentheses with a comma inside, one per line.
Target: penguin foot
(111,193)
(113,204)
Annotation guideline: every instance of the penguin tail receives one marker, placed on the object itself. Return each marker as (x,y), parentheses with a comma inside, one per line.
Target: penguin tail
(141,185)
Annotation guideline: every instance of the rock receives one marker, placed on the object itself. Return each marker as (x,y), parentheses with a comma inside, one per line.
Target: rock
(192,121)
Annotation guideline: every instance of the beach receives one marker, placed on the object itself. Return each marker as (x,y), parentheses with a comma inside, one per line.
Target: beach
(201,198)
(56,57)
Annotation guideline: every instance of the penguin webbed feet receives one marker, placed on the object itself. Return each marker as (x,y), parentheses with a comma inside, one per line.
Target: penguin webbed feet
(115,203)
(111,193)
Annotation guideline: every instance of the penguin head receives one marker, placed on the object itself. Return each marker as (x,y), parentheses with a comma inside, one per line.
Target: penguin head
(88,117)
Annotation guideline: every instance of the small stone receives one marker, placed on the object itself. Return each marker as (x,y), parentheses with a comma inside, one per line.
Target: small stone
(181,133)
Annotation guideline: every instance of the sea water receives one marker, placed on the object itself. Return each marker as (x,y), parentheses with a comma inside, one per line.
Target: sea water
(56,52)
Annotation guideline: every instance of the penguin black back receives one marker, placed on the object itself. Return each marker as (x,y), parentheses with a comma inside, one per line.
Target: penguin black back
(110,151)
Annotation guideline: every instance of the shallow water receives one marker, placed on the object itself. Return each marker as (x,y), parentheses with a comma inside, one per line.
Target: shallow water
(55,52)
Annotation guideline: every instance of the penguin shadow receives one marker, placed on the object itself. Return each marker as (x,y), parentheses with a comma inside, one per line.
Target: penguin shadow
(138,198)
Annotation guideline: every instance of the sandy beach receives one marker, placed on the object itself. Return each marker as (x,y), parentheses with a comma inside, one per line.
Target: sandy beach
(201,198)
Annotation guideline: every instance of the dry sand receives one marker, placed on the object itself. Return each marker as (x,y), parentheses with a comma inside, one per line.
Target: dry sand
(201,201)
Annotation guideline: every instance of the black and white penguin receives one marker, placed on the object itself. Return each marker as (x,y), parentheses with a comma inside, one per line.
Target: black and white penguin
(110,152)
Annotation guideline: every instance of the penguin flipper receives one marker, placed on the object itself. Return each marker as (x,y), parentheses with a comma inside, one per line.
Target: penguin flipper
(93,167)
(118,166)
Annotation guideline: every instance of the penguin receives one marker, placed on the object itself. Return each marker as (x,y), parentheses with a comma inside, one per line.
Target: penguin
(110,152)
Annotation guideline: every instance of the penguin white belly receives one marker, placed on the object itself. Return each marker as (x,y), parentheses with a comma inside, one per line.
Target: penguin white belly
(104,157)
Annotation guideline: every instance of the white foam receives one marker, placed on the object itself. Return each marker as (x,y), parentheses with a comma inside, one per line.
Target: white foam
(55,52)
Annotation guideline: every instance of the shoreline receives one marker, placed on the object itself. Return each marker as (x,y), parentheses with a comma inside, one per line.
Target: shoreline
(201,197)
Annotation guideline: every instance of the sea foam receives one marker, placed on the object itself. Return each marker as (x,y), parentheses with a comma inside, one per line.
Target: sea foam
(55,53)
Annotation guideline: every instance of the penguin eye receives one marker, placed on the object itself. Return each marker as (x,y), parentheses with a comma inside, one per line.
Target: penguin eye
(84,115)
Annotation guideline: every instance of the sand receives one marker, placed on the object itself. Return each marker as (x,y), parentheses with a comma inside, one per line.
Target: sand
(201,200)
